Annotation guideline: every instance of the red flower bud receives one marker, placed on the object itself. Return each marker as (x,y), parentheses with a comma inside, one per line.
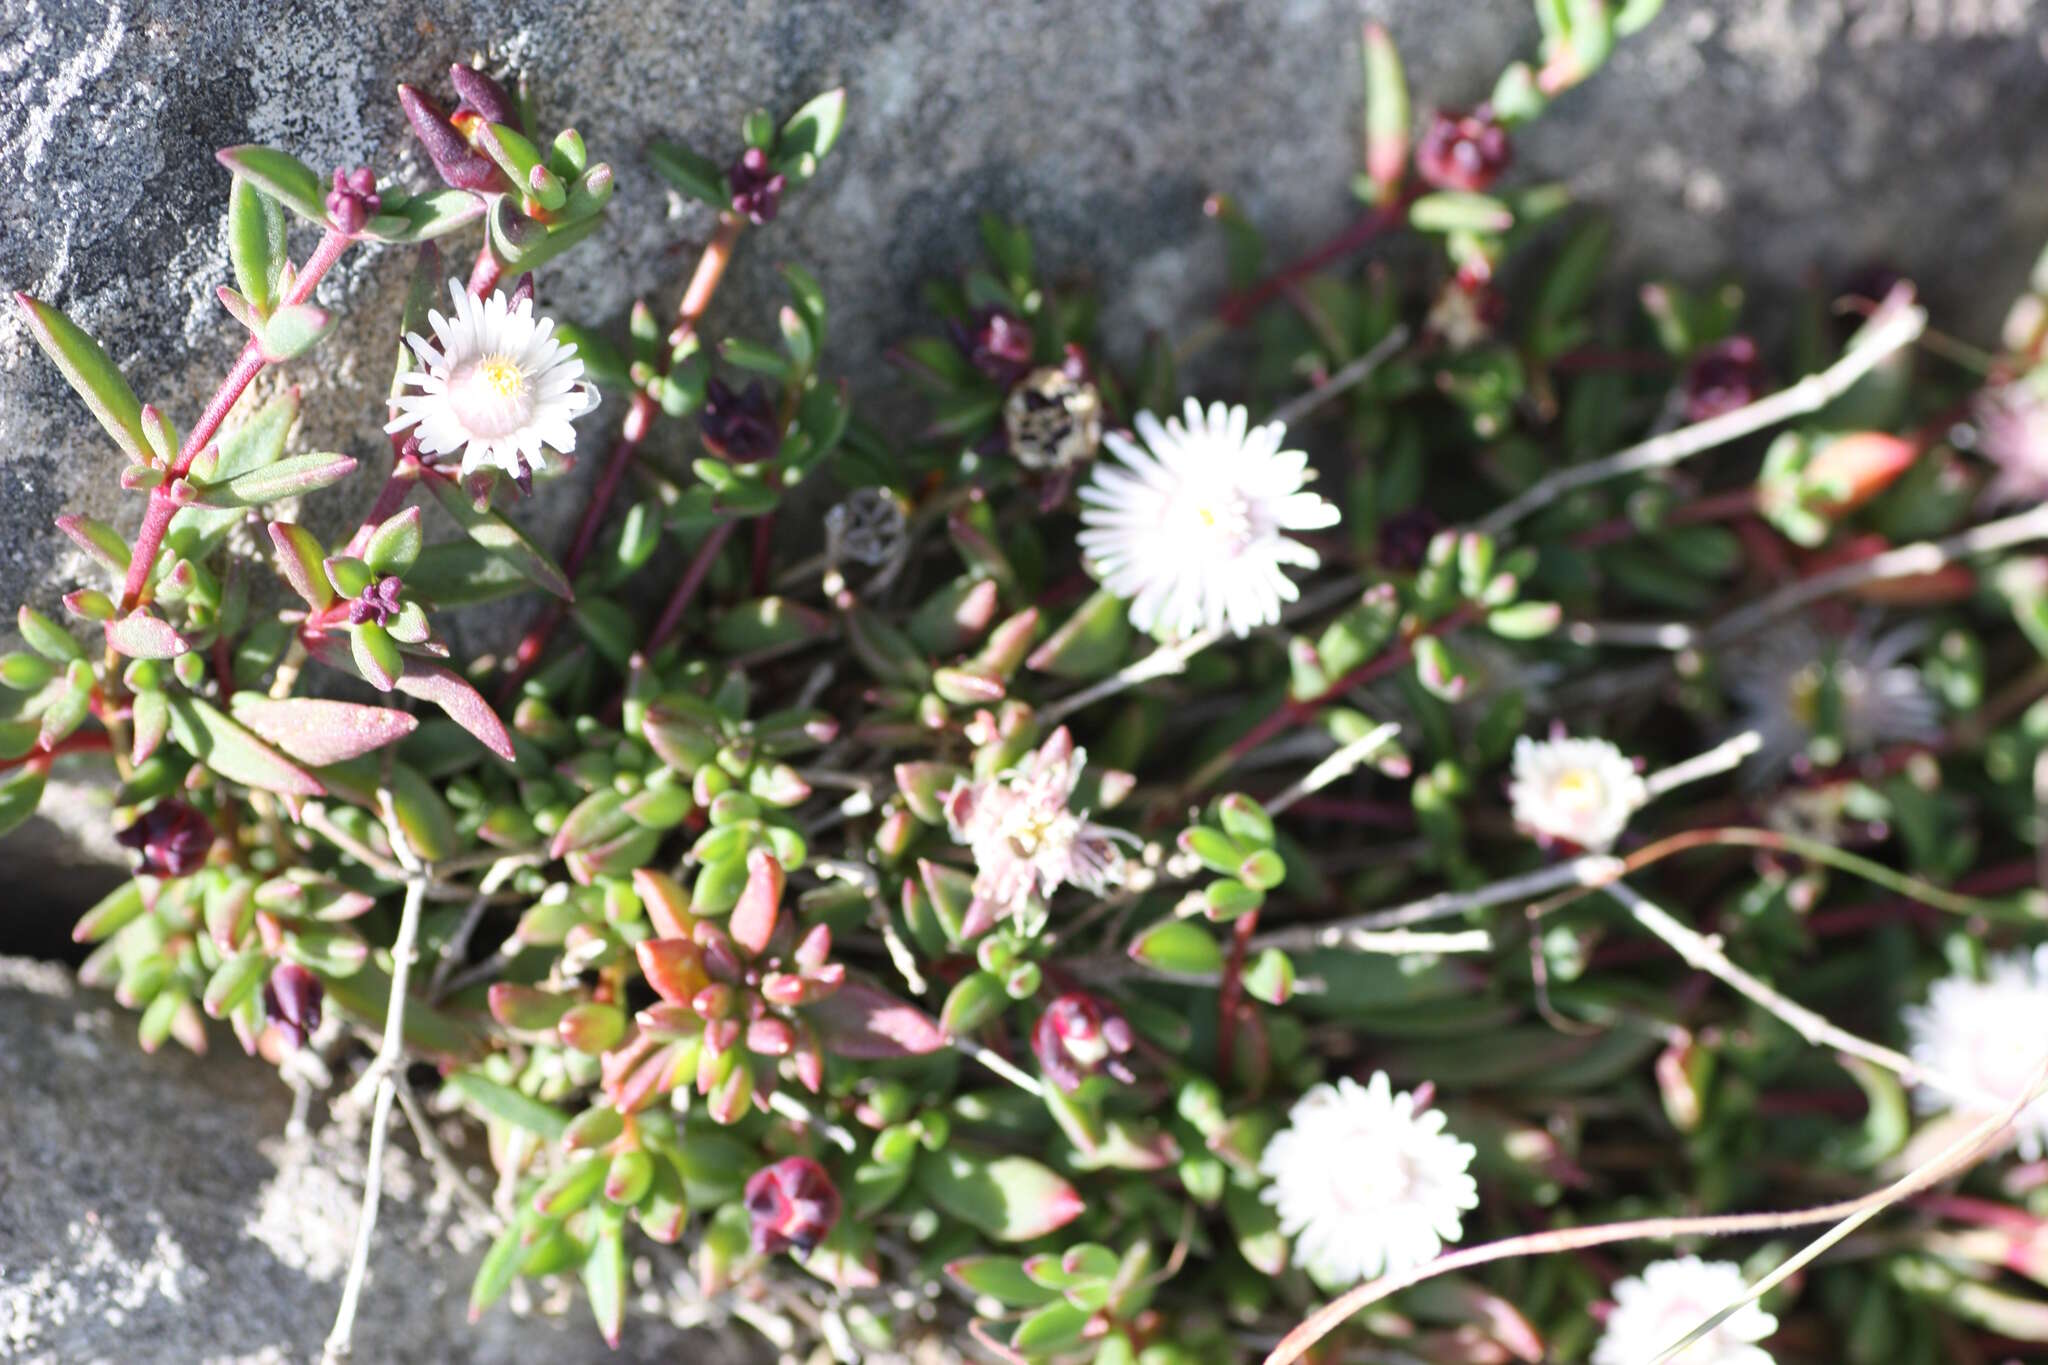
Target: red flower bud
(792,1204)
(1463,151)
(291,1000)
(756,188)
(1721,378)
(1076,1036)
(173,839)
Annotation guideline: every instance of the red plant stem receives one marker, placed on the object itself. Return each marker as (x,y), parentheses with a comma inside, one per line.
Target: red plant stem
(1736,502)
(1381,814)
(697,295)
(156,518)
(693,578)
(1241,306)
(1230,994)
(406,471)
(1294,712)
(485,274)
(764,543)
(94,742)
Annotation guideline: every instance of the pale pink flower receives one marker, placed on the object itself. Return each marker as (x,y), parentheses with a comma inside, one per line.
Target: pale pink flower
(1026,837)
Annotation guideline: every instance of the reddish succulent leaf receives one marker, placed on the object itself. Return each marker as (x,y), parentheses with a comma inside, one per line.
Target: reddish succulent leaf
(322,732)
(142,636)
(866,1023)
(430,682)
(753,918)
(674,967)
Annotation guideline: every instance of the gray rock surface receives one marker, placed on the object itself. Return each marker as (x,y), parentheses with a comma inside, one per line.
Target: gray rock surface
(1780,137)
(152,1212)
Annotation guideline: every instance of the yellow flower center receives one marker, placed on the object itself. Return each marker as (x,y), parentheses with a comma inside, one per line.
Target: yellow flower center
(1578,788)
(502,375)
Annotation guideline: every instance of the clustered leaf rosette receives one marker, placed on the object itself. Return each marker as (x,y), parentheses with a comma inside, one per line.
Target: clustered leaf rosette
(733,1000)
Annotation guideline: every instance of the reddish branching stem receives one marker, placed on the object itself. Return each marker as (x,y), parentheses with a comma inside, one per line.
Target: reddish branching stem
(156,518)
(1296,712)
(697,296)
(92,742)
(693,578)
(1242,305)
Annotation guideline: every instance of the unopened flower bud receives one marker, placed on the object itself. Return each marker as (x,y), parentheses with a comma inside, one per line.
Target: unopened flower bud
(756,187)
(739,425)
(354,200)
(997,343)
(172,837)
(482,96)
(291,1000)
(378,601)
(1721,378)
(792,1204)
(1463,151)
(1076,1037)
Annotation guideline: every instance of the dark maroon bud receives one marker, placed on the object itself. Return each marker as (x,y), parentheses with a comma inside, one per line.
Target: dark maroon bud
(354,200)
(756,188)
(172,838)
(291,1000)
(1404,538)
(460,165)
(996,343)
(1077,1037)
(482,96)
(1463,151)
(1721,378)
(522,473)
(522,292)
(377,602)
(740,426)
(792,1204)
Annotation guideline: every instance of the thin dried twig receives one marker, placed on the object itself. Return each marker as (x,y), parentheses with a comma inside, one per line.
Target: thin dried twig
(1704,954)
(385,1068)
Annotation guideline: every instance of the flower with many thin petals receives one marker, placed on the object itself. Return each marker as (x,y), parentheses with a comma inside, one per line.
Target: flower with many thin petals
(1192,528)
(499,388)
(2012,433)
(1654,1310)
(1026,838)
(1367,1181)
(1582,791)
(1987,1034)
(1813,698)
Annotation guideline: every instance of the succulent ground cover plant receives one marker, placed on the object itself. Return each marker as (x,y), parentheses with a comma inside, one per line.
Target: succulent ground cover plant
(1395,856)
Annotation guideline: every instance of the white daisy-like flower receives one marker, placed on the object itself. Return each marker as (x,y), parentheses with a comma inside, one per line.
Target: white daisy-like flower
(499,387)
(1366,1182)
(1191,526)
(1814,697)
(1579,790)
(1987,1034)
(1026,837)
(1657,1308)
